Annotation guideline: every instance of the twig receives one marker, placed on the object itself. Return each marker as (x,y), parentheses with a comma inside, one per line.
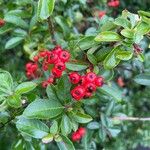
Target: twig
(51,29)
(131,118)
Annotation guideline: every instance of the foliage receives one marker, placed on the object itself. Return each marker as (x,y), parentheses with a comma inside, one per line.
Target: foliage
(113,44)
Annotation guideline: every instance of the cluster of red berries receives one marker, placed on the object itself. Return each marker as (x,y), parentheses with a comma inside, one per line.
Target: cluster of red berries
(101,14)
(76,136)
(114,3)
(2,22)
(53,60)
(31,70)
(87,84)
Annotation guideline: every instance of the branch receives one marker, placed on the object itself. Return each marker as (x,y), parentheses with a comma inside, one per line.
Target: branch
(51,29)
(131,119)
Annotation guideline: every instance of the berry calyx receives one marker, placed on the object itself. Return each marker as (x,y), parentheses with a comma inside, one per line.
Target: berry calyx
(90,87)
(52,58)
(60,66)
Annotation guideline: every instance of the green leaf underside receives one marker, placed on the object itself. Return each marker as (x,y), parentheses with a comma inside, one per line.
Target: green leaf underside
(143,79)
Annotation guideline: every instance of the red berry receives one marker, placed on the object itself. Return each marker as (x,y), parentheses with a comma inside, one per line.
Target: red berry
(81,131)
(52,58)
(76,136)
(99,81)
(28,74)
(83,80)
(57,50)
(29,65)
(43,54)
(90,77)
(116,3)
(90,87)
(34,67)
(56,73)
(50,80)
(44,84)
(78,92)
(45,67)
(88,94)
(2,22)
(74,77)
(101,14)
(35,58)
(64,56)
(120,82)
(60,66)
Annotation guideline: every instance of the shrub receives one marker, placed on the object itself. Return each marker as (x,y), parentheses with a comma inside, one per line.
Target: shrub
(76,77)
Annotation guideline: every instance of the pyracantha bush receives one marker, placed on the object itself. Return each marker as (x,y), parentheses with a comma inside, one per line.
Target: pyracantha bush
(76,75)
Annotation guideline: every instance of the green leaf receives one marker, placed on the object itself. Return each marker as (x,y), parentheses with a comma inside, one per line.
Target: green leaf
(54,127)
(144,13)
(43,109)
(62,22)
(142,28)
(141,57)
(51,93)
(108,36)
(25,87)
(111,91)
(63,89)
(93,125)
(16,21)
(123,22)
(102,133)
(128,33)
(111,61)
(81,118)
(6,28)
(76,67)
(86,43)
(45,8)
(110,107)
(47,139)
(143,79)
(108,25)
(6,83)
(33,128)
(14,100)
(124,55)
(114,132)
(92,59)
(107,74)
(65,144)
(65,125)
(102,53)
(13,42)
